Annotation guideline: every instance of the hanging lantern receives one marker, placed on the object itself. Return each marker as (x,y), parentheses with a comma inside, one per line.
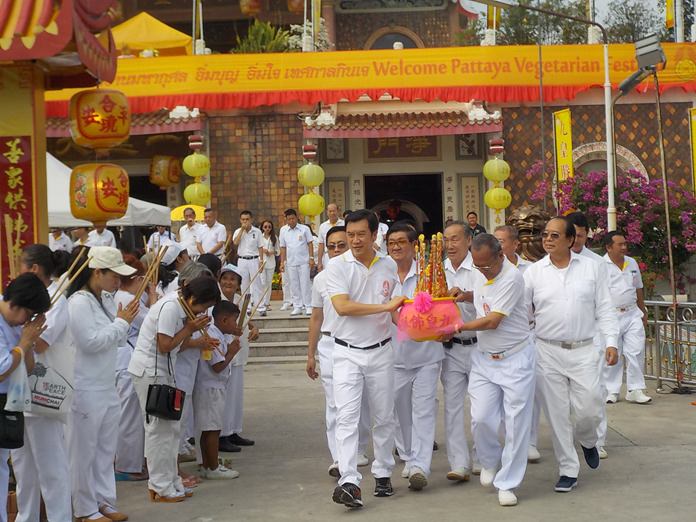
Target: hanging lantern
(311,204)
(296,6)
(196,165)
(99,118)
(197,194)
(310,175)
(98,192)
(165,171)
(496,170)
(497,198)
(250,7)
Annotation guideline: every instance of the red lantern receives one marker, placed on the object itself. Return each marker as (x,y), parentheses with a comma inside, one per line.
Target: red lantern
(296,6)
(98,191)
(165,171)
(99,118)
(250,7)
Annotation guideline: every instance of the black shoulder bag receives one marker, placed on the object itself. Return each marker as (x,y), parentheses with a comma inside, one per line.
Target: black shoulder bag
(11,426)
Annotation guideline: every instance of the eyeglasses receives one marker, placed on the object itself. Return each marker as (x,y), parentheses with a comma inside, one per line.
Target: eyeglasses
(336,246)
(400,243)
(550,235)
(487,267)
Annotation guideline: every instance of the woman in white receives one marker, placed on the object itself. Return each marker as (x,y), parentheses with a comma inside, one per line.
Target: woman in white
(98,328)
(271,249)
(164,330)
(130,463)
(41,465)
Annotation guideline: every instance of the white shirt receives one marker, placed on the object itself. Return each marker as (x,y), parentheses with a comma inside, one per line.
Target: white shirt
(97,334)
(571,304)
(125,351)
(521,264)
(62,243)
(295,241)
(321,299)
(505,294)
(325,227)
(250,243)
(188,236)
(158,240)
(463,278)
(207,377)
(106,238)
(381,240)
(375,285)
(623,282)
(274,250)
(9,337)
(210,236)
(410,354)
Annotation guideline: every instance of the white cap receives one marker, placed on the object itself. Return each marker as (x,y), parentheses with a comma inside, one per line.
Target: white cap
(230,268)
(109,258)
(173,251)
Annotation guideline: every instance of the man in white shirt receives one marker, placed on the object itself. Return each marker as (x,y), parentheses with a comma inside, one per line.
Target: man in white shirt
(296,260)
(333,221)
(285,279)
(502,369)
(456,366)
(570,300)
(381,240)
(249,242)
(101,236)
(626,288)
(80,236)
(59,240)
(416,370)
(213,235)
(159,238)
(360,284)
(190,232)
(509,242)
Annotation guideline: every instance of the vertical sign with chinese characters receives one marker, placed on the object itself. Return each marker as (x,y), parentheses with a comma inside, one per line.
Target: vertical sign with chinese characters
(563,142)
(692,139)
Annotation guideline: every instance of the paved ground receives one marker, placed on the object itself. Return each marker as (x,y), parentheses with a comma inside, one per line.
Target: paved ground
(649,474)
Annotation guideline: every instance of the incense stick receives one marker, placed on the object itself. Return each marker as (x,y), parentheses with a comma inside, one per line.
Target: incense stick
(253,311)
(192,317)
(243,309)
(255,276)
(150,270)
(67,282)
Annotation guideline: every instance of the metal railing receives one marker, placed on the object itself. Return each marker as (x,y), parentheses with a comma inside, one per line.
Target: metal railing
(670,346)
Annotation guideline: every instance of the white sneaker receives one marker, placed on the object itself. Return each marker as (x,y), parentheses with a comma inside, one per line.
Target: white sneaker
(506,497)
(602,453)
(417,479)
(533,454)
(406,471)
(285,307)
(220,473)
(308,311)
(638,397)
(362,460)
(487,477)
(459,474)
(612,398)
(296,311)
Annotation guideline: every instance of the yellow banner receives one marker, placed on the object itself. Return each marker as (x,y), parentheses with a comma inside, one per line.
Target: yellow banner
(493,17)
(669,14)
(563,142)
(692,133)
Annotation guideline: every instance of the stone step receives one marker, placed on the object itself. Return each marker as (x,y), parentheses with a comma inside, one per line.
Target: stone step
(263,323)
(300,334)
(278,349)
(282,359)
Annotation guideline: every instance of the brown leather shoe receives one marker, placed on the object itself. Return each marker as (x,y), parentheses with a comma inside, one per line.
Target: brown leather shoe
(114,516)
(156,497)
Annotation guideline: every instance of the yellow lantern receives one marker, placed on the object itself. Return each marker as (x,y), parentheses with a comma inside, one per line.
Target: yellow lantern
(99,118)
(296,6)
(98,191)
(250,7)
(196,165)
(497,198)
(310,175)
(165,171)
(197,194)
(496,170)
(311,204)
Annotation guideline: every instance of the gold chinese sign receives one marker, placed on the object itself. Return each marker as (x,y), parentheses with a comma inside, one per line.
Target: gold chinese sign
(99,118)
(563,141)
(413,147)
(692,136)
(98,192)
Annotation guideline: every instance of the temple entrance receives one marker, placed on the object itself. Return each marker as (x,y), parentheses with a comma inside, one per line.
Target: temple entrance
(419,198)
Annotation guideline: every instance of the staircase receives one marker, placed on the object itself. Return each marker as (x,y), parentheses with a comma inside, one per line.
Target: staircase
(282,339)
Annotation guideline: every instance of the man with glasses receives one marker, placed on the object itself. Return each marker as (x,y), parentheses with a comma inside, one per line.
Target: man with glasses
(416,369)
(333,221)
(321,327)
(501,385)
(248,240)
(570,300)
(190,233)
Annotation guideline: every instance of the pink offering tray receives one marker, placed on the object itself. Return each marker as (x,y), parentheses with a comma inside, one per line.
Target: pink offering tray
(425,318)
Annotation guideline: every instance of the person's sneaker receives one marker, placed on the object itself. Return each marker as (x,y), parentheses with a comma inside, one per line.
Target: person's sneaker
(362,460)
(285,307)
(591,456)
(263,313)
(435,446)
(226,446)
(459,474)
(487,477)
(612,398)
(533,454)
(565,484)
(638,397)
(602,453)
(506,497)
(406,471)
(308,311)
(333,470)
(238,440)
(383,487)
(417,479)
(348,494)
(476,468)
(220,473)
(296,311)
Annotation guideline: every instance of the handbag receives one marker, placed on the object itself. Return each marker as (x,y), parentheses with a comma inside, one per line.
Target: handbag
(164,401)
(11,426)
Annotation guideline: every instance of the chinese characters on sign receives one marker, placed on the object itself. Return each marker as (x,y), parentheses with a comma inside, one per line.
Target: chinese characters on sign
(416,147)
(15,199)
(336,193)
(563,142)
(99,118)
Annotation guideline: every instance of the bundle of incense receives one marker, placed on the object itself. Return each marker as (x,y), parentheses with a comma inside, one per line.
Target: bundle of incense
(248,287)
(253,311)
(206,355)
(242,310)
(420,287)
(11,257)
(150,271)
(442,280)
(68,279)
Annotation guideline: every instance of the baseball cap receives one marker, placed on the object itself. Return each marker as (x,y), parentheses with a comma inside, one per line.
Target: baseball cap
(230,268)
(173,251)
(109,258)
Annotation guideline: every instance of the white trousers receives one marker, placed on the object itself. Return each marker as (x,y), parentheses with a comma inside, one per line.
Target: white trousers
(161,443)
(502,390)
(249,268)
(4,479)
(603,425)
(266,284)
(632,347)
(355,373)
(568,382)
(455,382)
(188,428)
(130,450)
(537,408)
(41,468)
(325,352)
(415,404)
(285,281)
(92,440)
(300,286)
(234,402)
